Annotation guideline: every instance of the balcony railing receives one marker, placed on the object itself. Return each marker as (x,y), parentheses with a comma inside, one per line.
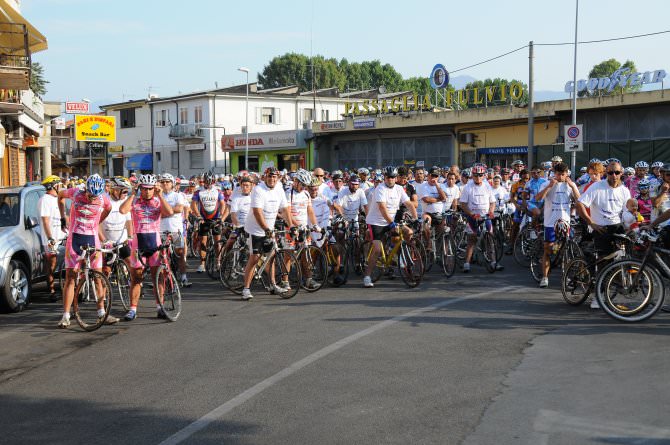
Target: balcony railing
(15,61)
(82,153)
(186,131)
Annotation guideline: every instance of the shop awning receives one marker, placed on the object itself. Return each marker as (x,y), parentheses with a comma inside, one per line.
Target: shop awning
(139,162)
(14,42)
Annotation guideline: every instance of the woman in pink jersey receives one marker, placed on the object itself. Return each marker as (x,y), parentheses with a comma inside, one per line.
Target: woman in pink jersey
(88,208)
(146,212)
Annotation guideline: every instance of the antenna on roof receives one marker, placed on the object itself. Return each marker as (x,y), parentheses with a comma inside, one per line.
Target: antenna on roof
(216,85)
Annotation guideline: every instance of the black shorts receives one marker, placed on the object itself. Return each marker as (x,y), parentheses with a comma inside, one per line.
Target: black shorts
(435,219)
(255,243)
(604,243)
(376,232)
(203,230)
(124,252)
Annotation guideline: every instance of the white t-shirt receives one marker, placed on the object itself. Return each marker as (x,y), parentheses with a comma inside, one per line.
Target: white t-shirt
(173,223)
(502,196)
(241,206)
(299,201)
(391,197)
(477,197)
(425,190)
(271,201)
(48,207)
(321,206)
(452,193)
(114,226)
(606,203)
(557,203)
(351,203)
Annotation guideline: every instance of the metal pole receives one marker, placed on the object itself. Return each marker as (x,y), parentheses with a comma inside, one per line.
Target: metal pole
(90,160)
(531,107)
(246,123)
(573,164)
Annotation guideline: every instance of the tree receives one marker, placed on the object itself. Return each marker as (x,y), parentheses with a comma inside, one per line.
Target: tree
(605,69)
(37,81)
(498,85)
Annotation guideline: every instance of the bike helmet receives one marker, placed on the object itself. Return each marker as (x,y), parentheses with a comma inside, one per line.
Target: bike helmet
(657,164)
(665,168)
(644,184)
(478,170)
(557,159)
(272,170)
(337,174)
(517,162)
(378,177)
(583,170)
(315,182)
(95,185)
(303,176)
(610,161)
(121,182)
(595,161)
(378,171)
(354,179)
(147,181)
(629,171)
(166,177)
(227,185)
(467,172)
(208,177)
(50,182)
(547,165)
(641,164)
(363,171)
(390,171)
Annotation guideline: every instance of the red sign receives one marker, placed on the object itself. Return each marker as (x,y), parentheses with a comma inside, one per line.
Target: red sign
(76,107)
(230,142)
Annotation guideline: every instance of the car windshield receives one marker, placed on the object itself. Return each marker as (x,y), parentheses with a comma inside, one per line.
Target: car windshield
(9,209)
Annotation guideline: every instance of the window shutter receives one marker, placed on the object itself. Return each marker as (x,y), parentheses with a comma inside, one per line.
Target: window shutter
(258,115)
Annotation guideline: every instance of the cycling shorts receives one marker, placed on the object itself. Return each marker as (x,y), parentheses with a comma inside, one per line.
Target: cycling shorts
(471,228)
(435,219)
(73,251)
(124,252)
(517,216)
(206,225)
(255,244)
(148,243)
(376,232)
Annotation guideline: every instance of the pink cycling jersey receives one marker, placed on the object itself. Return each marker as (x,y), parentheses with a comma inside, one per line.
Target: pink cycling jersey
(85,214)
(146,215)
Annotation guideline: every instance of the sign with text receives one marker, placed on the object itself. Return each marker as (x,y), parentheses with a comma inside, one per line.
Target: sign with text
(278,139)
(76,107)
(95,128)
(574,138)
(365,123)
(333,125)
(115,149)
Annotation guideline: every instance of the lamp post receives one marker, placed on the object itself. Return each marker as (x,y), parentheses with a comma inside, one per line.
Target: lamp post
(90,157)
(246,123)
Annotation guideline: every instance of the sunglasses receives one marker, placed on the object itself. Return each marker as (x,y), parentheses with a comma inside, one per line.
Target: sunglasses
(478,175)
(614,172)
(434,176)
(319,176)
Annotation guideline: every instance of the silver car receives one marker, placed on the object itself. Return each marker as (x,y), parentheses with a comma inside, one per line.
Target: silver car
(21,252)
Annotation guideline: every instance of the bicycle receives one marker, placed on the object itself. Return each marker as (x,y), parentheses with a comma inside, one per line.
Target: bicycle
(634,290)
(396,252)
(313,262)
(164,282)
(193,236)
(441,247)
(231,268)
(336,253)
(484,252)
(92,291)
(119,274)
(565,248)
(355,234)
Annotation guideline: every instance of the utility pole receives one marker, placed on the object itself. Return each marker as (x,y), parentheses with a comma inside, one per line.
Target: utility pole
(573,164)
(531,107)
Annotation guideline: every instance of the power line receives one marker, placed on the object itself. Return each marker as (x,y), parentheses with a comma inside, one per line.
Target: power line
(488,60)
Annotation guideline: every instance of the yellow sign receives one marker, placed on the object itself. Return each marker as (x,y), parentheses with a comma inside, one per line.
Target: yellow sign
(95,128)
(115,149)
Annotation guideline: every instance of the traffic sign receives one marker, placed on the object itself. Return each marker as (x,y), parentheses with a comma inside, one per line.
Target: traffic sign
(574,140)
(76,107)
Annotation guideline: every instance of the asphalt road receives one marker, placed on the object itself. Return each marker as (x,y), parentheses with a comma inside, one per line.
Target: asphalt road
(475,359)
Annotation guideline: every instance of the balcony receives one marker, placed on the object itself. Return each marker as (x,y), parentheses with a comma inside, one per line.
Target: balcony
(187,133)
(14,59)
(82,153)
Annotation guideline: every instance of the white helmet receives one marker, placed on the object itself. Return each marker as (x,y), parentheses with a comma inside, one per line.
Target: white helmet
(146,180)
(641,164)
(657,164)
(303,176)
(166,177)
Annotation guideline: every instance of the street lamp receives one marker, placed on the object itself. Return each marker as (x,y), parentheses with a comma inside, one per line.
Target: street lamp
(246,122)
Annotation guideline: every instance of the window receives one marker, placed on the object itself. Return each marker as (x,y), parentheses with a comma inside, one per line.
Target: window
(307,115)
(196,158)
(183,115)
(267,115)
(162,118)
(197,114)
(325,115)
(174,160)
(128,118)
(30,205)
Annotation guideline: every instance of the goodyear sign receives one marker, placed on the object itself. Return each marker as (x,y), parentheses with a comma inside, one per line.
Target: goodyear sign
(95,128)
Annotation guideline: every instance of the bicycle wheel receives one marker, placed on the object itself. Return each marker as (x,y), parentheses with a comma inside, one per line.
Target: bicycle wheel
(119,279)
(499,238)
(379,268)
(488,249)
(571,250)
(426,255)
(521,249)
(337,259)
(577,282)
(313,268)
(448,255)
(93,290)
(231,269)
(194,244)
(166,283)
(355,256)
(409,264)
(536,254)
(211,263)
(629,293)
(290,278)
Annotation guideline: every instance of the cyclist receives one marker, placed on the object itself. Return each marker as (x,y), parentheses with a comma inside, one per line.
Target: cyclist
(117,228)
(644,202)
(240,205)
(146,212)
(363,174)
(558,194)
(351,200)
(322,206)
(606,201)
(537,182)
(175,223)
(408,188)
(434,199)
(50,233)
(338,185)
(476,200)
(88,207)
(382,210)
(267,199)
(208,203)
(377,179)
(641,172)
(517,166)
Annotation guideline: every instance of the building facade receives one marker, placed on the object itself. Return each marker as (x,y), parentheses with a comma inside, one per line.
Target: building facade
(132,150)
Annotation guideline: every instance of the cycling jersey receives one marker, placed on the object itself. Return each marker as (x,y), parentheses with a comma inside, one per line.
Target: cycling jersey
(84,221)
(632,184)
(146,216)
(299,201)
(321,206)
(209,202)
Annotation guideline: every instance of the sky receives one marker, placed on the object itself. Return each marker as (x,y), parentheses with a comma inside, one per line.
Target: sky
(111,51)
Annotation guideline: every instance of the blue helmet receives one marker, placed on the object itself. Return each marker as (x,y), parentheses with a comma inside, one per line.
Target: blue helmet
(95,185)
(227,185)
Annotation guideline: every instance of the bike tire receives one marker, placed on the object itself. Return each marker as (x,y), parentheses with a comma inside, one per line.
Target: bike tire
(423,253)
(336,250)
(166,282)
(409,264)
(576,282)
(614,291)
(88,296)
(294,274)
(316,262)
(119,279)
(521,248)
(488,249)
(536,254)
(499,238)
(231,270)
(448,255)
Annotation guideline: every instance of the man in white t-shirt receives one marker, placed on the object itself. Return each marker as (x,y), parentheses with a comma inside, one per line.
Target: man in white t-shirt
(175,223)
(477,200)
(299,200)
(351,200)
(558,194)
(606,201)
(386,200)
(267,200)
(433,199)
(50,229)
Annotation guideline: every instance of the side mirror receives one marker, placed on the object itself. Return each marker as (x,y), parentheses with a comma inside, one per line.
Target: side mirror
(31,222)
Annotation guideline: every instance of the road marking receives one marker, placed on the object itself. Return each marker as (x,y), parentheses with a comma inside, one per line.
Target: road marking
(258,388)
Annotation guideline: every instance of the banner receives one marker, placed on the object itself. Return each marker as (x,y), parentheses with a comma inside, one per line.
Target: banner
(95,128)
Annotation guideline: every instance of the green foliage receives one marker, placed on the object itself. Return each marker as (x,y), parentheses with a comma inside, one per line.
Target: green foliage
(37,81)
(499,84)
(605,69)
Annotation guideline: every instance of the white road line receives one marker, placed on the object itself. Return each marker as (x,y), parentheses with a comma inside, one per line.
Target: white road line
(241,398)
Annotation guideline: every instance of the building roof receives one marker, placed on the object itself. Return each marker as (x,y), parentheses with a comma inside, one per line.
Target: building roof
(127,104)
(14,42)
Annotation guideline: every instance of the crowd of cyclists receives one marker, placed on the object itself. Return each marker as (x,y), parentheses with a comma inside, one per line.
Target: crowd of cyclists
(303,229)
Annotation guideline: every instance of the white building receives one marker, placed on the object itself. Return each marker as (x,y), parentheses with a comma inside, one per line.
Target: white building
(132,149)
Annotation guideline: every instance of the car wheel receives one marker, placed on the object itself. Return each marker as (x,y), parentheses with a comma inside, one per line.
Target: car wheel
(16,288)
